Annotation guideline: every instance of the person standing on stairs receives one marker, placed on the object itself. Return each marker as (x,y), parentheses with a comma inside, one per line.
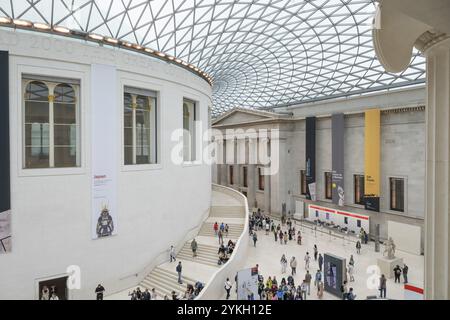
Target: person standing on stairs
(216,228)
(172,254)
(227,229)
(179,269)
(220,235)
(194,247)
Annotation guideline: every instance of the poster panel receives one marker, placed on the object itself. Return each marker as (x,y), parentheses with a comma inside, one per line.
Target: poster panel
(5,182)
(372,160)
(311,158)
(338,127)
(104,152)
(247,284)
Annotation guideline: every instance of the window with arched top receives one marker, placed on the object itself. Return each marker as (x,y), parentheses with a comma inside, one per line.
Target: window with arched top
(37,125)
(51,125)
(140,135)
(189,133)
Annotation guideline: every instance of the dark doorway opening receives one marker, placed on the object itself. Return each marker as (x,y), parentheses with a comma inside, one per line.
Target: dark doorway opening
(58,286)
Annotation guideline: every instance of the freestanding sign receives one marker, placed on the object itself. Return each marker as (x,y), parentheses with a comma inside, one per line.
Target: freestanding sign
(247,284)
(5,183)
(104,152)
(311,158)
(334,274)
(338,127)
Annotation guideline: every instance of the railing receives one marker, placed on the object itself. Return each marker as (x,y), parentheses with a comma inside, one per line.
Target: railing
(214,288)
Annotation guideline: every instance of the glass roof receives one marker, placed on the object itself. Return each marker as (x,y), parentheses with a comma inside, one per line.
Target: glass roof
(260,53)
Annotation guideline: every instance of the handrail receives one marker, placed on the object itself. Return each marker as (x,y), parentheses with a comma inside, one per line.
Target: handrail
(215,284)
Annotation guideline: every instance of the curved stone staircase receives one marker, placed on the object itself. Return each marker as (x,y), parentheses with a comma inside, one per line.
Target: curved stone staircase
(164,278)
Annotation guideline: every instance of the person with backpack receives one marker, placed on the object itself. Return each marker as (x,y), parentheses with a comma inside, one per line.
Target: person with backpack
(179,269)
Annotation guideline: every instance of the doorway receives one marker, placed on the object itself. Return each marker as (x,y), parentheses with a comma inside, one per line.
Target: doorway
(58,286)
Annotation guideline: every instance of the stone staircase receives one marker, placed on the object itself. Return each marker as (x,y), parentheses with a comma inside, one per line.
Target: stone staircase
(227,212)
(234,231)
(206,254)
(165,282)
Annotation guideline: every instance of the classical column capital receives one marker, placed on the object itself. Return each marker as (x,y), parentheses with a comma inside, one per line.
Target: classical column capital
(398,28)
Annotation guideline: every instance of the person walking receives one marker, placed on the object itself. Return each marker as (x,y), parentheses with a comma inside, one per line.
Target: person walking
(179,269)
(320,261)
(275,234)
(397,274)
(285,237)
(281,237)
(194,247)
(228,287)
(227,230)
(283,263)
(318,278)
(320,290)
(383,286)
(358,247)
(351,272)
(99,291)
(405,273)
(172,254)
(307,261)
(154,296)
(352,261)
(304,288)
(255,238)
(293,265)
(316,252)
(216,228)
(220,235)
(308,279)
(267,228)
(299,238)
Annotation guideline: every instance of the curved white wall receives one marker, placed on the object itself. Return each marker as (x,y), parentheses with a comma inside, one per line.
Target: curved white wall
(51,209)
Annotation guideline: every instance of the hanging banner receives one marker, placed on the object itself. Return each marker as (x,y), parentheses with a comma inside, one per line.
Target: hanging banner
(372,160)
(247,284)
(5,182)
(311,158)
(104,152)
(338,128)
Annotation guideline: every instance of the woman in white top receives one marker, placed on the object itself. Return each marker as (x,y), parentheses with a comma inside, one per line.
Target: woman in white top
(283,263)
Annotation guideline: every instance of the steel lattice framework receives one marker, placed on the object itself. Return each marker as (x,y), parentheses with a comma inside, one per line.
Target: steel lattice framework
(260,53)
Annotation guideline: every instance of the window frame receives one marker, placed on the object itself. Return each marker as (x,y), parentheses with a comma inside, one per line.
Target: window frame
(362,203)
(261,177)
(141,83)
(51,82)
(405,198)
(154,127)
(328,179)
(303,182)
(195,145)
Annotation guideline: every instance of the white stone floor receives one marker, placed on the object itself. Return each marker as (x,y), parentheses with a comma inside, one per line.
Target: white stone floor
(267,255)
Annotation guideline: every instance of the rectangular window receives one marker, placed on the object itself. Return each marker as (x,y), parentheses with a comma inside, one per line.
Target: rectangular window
(231,175)
(358,182)
(190,114)
(140,144)
(397,192)
(303,185)
(328,185)
(245,174)
(261,181)
(51,123)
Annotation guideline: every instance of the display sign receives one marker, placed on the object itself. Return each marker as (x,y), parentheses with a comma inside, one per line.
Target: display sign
(334,274)
(5,182)
(311,158)
(338,128)
(104,152)
(247,284)
(372,160)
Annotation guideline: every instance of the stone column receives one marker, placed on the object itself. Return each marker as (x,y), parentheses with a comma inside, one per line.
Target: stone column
(267,195)
(437,249)
(251,179)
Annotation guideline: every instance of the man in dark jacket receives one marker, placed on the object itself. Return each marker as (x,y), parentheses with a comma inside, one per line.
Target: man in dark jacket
(179,270)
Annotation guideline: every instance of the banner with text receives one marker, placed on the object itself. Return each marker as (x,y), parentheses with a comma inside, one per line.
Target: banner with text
(338,128)
(5,182)
(104,152)
(372,160)
(311,158)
